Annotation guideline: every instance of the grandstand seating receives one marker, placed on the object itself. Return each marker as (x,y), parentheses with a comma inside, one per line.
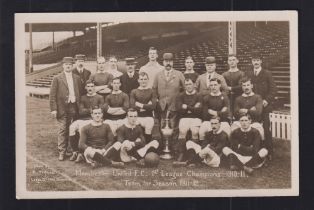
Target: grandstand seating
(270,39)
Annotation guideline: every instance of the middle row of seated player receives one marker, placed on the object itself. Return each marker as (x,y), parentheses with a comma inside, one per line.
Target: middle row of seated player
(194,110)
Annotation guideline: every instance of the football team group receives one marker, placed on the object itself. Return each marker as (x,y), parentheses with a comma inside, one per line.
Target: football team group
(107,118)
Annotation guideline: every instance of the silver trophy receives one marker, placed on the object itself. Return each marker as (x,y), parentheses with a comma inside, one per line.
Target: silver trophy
(167,133)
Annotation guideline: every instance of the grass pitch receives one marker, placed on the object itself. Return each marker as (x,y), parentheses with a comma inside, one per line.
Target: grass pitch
(45,173)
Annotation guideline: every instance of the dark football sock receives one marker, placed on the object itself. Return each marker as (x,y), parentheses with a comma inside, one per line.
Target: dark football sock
(148,138)
(74,140)
(101,159)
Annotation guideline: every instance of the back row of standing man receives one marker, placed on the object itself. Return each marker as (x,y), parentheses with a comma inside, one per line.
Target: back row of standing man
(166,82)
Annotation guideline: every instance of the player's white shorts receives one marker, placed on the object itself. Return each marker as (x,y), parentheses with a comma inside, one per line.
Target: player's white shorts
(77,125)
(209,156)
(256,125)
(244,159)
(147,123)
(187,124)
(115,124)
(206,127)
(90,151)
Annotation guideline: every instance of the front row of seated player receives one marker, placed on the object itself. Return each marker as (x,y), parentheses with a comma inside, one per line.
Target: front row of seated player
(99,146)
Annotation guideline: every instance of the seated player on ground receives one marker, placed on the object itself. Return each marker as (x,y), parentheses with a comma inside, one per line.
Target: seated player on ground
(245,151)
(215,104)
(208,150)
(91,99)
(97,142)
(144,100)
(189,106)
(116,106)
(248,103)
(102,78)
(134,146)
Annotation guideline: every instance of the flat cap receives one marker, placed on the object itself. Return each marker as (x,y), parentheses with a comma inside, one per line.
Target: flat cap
(167,56)
(130,61)
(80,57)
(210,59)
(67,60)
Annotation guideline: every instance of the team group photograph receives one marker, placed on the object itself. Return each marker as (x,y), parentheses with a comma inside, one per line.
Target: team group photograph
(158,106)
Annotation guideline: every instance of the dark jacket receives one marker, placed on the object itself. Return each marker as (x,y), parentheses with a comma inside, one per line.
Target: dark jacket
(263,84)
(84,76)
(128,84)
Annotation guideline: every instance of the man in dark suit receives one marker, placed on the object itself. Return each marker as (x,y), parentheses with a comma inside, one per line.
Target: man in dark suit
(263,85)
(129,79)
(80,70)
(64,102)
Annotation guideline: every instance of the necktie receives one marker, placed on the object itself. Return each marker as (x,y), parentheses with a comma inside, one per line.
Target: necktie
(168,76)
(255,72)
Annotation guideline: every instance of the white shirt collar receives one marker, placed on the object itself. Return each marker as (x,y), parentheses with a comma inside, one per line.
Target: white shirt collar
(68,73)
(211,75)
(80,69)
(247,95)
(127,124)
(143,88)
(217,94)
(131,74)
(189,72)
(91,95)
(247,129)
(258,70)
(233,70)
(193,92)
(116,92)
(219,130)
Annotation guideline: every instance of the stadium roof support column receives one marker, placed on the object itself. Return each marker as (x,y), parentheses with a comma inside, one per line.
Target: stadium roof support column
(99,40)
(30,54)
(53,40)
(232,36)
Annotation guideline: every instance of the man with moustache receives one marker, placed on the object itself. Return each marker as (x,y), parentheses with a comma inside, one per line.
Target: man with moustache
(189,72)
(245,151)
(80,70)
(144,100)
(202,83)
(209,150)
(129,80)
(264,85)
(97,142)
(102,79)
(152,67)
(113,67)
(64,102)
(91,99)
(167,86)
(232,77)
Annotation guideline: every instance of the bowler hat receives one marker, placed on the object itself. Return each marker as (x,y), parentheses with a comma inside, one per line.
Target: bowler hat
(210,59)
(67,60)
(130,61)
(168,56)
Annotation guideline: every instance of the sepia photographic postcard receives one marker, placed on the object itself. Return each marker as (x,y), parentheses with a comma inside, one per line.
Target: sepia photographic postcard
(156,104)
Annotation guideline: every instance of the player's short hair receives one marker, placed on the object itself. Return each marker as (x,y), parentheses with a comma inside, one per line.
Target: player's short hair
(245,115)
(101,58)
(89,82)
(215,118)
(153,48)
(244,80)
(189,58)
(131,110)
(116,78)
(94,108)
(215,80)
(112,56)
(232,55)
(143,74)
(188,79)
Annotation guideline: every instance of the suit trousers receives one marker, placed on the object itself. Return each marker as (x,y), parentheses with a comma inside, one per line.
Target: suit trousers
(266,125)
(64,123)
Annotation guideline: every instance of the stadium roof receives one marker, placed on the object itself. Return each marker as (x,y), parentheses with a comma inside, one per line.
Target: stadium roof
(49,27)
